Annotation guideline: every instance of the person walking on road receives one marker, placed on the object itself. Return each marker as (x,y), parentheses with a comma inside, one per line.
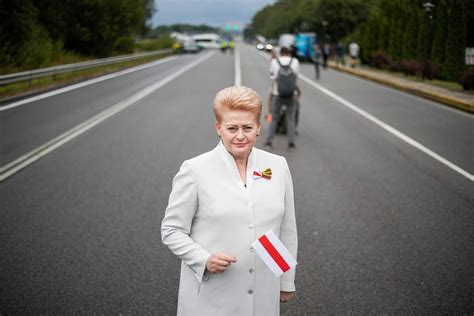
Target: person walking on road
(268,116)
(354,53)
(221,202)
(339,54)
(326,52)
(317,60)
(284,75)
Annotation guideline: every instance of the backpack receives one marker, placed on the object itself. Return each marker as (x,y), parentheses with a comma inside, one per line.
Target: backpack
(286,80)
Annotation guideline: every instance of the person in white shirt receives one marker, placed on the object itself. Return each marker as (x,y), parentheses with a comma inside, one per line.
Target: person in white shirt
(221,202)
(285,59)
(354,53)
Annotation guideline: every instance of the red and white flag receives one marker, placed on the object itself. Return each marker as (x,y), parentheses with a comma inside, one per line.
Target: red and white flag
(274,253)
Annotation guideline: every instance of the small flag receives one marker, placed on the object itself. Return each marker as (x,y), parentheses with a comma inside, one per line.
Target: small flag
(274,253)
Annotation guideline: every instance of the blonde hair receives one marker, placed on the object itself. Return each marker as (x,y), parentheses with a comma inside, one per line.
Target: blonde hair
(237,98)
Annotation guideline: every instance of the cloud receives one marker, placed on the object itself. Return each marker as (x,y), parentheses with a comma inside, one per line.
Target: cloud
(212,12)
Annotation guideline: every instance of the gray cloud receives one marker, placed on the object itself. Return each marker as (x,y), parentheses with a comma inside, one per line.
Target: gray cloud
(212,12)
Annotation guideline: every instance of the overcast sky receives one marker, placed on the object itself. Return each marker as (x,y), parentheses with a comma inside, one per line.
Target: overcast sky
(211,12)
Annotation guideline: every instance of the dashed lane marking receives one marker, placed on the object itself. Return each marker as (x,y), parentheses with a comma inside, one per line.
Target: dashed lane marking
(36,154)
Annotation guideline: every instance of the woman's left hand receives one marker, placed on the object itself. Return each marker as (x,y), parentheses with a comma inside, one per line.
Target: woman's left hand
(286,296)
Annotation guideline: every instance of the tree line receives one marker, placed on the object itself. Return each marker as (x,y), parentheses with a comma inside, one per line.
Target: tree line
(33,33)
(163,30)
(393,34)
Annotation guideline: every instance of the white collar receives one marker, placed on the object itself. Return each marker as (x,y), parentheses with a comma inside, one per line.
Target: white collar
(232,165)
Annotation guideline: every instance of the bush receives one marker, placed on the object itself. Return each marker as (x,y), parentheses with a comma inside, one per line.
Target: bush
(410,67)
(395,67)
(159,43)
(467,79)
(37,51)
(124,44)
(431,71)
(381,60)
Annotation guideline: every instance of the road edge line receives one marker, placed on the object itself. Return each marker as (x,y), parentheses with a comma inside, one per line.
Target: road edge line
(453,102)
(85,83)
(25,160)
(390,129)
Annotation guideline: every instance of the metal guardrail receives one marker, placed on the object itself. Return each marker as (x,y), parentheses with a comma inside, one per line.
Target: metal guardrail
(51,71)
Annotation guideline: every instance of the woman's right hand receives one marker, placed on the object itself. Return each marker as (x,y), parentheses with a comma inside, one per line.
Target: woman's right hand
(218,262)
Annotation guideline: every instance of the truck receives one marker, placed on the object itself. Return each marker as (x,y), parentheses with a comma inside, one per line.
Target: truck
(304,45)
(208,40)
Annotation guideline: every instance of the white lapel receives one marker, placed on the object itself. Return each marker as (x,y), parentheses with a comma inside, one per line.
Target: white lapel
(251,165)
(230,163)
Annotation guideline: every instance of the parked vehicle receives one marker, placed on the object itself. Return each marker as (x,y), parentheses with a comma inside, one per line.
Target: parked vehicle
(304,45)
(208,41)
(271,44)
(286,40)
(184,43)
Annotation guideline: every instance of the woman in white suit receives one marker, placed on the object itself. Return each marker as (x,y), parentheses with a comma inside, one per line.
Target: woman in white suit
(222,201)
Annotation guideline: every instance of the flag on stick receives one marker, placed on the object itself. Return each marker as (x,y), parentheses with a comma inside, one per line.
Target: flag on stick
(274,253)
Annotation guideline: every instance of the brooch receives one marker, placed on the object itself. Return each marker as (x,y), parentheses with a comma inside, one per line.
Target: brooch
(266,174)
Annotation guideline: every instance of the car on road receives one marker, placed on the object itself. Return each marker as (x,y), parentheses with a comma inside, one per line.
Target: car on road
(184,43)
(271,45)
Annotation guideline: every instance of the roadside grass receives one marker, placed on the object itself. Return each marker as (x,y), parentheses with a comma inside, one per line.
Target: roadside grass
(24,87)
(59,58)
(155,44)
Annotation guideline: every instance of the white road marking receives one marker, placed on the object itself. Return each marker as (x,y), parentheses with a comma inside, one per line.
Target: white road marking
(409,95)
(390,129)
(237,71)
(36,154)
(387,127)
(391,89)
(85,83)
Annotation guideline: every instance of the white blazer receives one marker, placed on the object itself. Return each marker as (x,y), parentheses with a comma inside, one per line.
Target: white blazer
(210,210)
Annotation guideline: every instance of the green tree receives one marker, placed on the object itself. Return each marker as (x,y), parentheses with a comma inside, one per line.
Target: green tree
(98,26)
(410,38)
(440,32)
(397,24)
(425,35)
(384,34)
(469,13)
(370,38)
(343,15)
(25,42)
(454,64)
(261,18)
(32,32)
(287,16)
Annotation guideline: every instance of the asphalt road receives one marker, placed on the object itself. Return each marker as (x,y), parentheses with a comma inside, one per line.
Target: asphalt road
(383,227)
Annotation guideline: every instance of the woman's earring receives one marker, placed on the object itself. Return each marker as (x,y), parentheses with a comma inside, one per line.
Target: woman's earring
(219,136)
(258,134)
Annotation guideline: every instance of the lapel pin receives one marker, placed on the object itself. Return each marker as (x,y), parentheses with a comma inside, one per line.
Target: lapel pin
(266,174)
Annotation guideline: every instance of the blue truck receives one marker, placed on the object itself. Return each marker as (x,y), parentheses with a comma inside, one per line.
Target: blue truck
(304,44)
